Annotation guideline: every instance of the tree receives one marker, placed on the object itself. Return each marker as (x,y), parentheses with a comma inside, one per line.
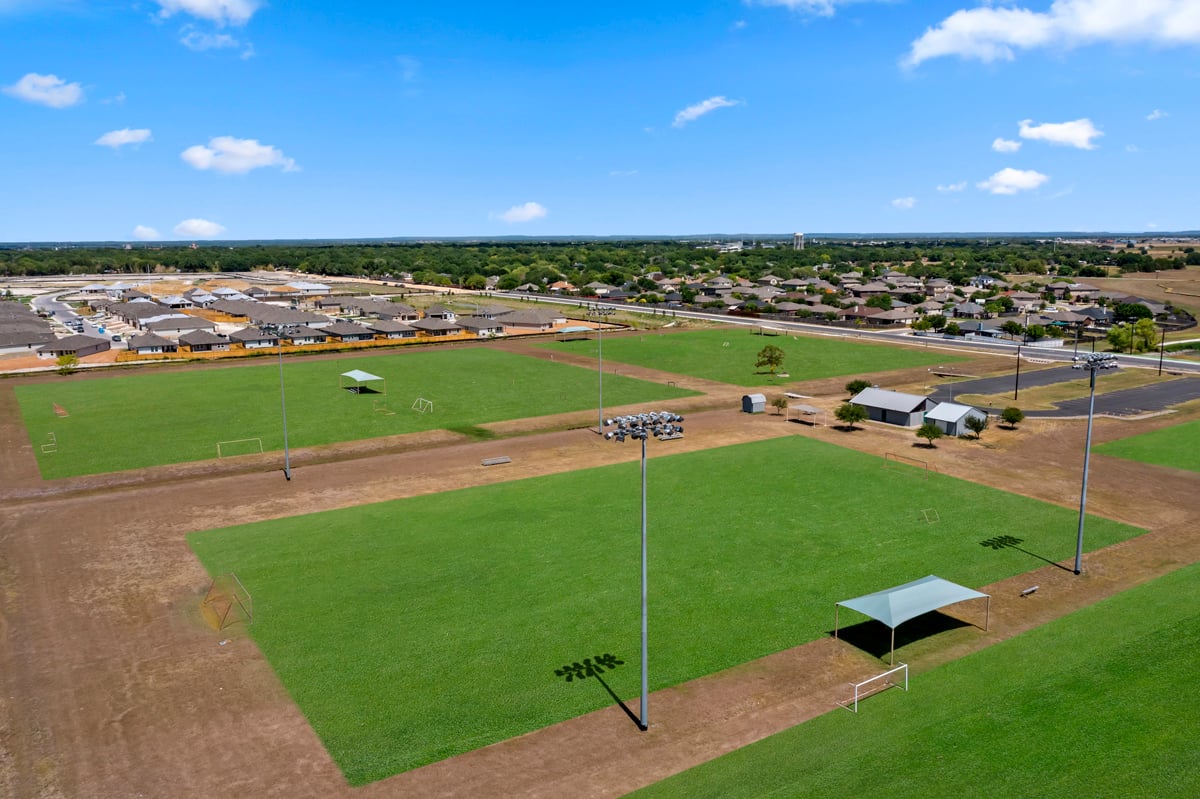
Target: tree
(1035,332)
(1145,335)
(857,386)
(1119,336)
(1012,416)
(850,414)
(977,424)
(952,329)
(930,432)
(1012,328)
(771,357)
(68,363)
(780,405)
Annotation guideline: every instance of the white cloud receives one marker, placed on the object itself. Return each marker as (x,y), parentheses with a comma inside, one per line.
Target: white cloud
(1132,148)
(824,8)
(119,138)
(698,110)
(1078,133)
(1011,181)
(1005,145)
(1157,114)
(904,203)
(952,186)
(48,90)
(622,173)
(990,33)
(198,229)
(148,233)
(524,213)
(221,12)
(236,156)
(738,25)
(201,41)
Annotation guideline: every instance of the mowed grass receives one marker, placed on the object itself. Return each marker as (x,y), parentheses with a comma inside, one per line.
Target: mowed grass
(728,356)
(1178,447)
(152,419)
(414,630)
(1095,704)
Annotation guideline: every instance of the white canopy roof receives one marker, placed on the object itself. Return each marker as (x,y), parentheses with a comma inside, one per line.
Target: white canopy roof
(897,605)
(359,376)
(948,412)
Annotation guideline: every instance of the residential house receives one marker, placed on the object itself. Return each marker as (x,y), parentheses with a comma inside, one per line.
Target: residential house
(892,407)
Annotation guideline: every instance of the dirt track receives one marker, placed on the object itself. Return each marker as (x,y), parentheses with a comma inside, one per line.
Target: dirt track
(111,685)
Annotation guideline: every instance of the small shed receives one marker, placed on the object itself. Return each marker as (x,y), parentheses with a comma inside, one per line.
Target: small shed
(359,382)
(951,418)
(754,403)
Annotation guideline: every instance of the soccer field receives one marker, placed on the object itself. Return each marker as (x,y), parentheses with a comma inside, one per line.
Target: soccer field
(1178,447)
(1093,704)
(414,630)
(729,355)
(134,421)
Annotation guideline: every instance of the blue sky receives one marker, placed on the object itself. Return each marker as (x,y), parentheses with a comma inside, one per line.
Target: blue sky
(189,120)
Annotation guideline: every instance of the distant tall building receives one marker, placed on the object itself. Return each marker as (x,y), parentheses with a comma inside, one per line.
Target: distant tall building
(797,241)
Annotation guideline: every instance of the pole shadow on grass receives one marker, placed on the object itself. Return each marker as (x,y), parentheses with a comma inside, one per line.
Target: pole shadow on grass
(594,667)
(1012,542)
(874,637)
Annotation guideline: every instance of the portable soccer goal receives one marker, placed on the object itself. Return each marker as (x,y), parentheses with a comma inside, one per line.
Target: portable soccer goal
(51,444)
(381,406)
(893,459)
(239,446)
(930,516)
(227,602)
(873,685)
(423,405)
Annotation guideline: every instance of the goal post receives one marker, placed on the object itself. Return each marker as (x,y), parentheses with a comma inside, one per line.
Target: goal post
(227,602)
(893,459)
(876,684)
(422,405)
(239,446)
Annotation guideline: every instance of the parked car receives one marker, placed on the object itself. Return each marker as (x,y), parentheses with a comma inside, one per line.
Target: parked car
(116,338)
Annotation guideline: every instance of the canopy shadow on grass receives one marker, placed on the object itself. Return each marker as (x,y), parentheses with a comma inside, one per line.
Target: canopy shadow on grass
(874,637)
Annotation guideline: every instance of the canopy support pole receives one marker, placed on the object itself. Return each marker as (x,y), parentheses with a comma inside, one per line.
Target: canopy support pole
(835,621)
(892,659)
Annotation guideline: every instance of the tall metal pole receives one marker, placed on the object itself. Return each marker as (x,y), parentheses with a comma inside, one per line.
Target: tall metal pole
(600,373)
(1017,381)
(644,723)
(1093,363)
(1087,456)
(1162,347)
(287,460)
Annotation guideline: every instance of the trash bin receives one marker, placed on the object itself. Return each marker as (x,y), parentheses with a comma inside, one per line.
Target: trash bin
(754,403)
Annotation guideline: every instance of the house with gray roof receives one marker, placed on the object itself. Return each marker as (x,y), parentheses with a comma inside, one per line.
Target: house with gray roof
(892,407)
(151,344)
(534,319)
(391,329)
(481,326)
(203,341)
(78,345)
(253,338)
(348,331)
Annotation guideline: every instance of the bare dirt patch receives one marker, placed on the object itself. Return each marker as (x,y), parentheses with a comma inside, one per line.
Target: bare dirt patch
(111,684)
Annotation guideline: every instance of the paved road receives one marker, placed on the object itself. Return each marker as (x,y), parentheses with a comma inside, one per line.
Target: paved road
(1128,402)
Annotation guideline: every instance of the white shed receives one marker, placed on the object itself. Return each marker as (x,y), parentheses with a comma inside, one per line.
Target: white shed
(951,417)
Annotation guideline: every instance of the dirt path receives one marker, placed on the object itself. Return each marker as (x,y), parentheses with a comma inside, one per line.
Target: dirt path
(110,684)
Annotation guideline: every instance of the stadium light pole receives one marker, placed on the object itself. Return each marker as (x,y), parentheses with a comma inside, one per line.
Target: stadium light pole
(1093,363)
(287,460)
(660,425)
(600,312)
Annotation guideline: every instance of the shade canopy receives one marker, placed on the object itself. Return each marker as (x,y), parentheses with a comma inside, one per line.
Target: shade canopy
(359,376)
(894,606)
(897,605)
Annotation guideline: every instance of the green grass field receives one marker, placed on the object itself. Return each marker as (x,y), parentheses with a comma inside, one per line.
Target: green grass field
(1094,704)
(414,630)
(728,356)
(1177,446)
(141,420)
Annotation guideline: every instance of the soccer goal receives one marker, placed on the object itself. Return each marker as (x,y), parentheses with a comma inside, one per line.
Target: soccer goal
(873,685)
(239,446)
(51,444)
(227,602)
(423,405)
(380,406)
(893,459)
(930,516)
